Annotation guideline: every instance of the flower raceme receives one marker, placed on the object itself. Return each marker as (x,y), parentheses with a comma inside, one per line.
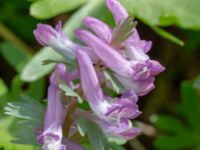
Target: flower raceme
(119,49)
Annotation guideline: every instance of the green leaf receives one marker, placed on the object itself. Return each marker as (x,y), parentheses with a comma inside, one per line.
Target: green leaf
(36,89)
(27,109)
(70,92)
(3,88)
(181,136)
(198,147)
(190,105)
(24,133)
(167,35)
(17,88)
(6,136)
(16,57)
(113,146)
(30,113)
(94,133)
(39,8)
(184,13)
(34,69)
(116,85)
(174,142)
(116,140)
(169,123)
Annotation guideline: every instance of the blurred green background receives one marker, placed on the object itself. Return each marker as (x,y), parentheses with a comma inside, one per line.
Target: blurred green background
(171,113)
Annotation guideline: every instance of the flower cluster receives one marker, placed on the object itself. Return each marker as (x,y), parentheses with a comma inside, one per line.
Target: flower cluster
(119,50)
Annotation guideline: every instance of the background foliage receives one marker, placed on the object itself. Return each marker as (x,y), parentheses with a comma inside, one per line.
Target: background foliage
(170,113)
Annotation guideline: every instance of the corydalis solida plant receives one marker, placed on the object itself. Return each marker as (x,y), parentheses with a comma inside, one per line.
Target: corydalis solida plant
(118,49)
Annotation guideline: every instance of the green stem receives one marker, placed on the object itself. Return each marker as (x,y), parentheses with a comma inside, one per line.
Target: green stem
(8,35)
(69,118)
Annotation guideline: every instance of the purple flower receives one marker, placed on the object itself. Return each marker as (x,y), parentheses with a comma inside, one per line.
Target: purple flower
(121,49)
(52,136)
(114,113)
(62,73)
(56,39)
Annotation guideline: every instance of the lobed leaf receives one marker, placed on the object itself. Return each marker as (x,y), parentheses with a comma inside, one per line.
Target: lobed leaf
(116,85)
(94,133)
(70,92)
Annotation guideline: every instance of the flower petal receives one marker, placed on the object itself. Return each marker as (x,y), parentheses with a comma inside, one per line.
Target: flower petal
(89,80)
(51,137)
(123,108)
(146,45)
(55,110)
(101,29)
(155,67)
(123,129)
(118,11)
(130,94)
(62,73)
(140,87)
(136,53)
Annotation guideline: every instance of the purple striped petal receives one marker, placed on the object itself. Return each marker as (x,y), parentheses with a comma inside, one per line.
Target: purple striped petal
(131,133)
(130,94)
(140,87)
(119,12)
(123,108)
(55,110)
(90,52)
(123,129)
(89,80)
(101,29)
(155,67)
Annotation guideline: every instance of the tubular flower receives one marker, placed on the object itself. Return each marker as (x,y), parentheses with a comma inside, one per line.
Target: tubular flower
(56,39)
(121,49)
(52,136)
(112,113)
